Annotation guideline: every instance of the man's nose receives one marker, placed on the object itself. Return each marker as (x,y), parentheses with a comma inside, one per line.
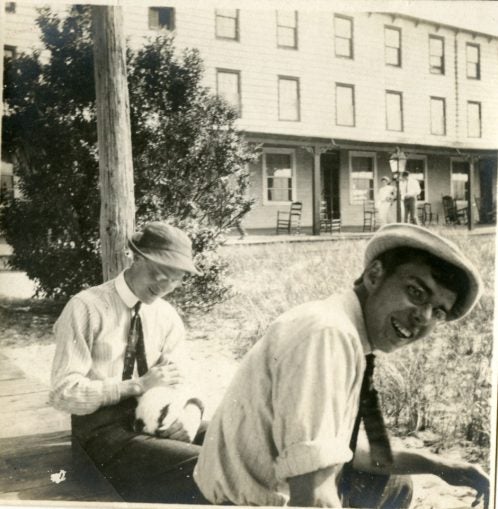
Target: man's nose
(423,314)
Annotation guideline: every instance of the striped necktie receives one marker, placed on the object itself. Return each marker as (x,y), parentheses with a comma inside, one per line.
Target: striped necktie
(135,348)
(370,412)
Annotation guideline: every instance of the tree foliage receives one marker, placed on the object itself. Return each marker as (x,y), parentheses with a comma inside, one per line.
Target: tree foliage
(190,162)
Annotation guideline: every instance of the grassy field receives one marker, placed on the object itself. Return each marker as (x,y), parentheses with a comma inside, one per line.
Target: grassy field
(441,387)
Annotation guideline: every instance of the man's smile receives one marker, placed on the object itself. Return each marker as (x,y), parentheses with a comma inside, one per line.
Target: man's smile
(401,331)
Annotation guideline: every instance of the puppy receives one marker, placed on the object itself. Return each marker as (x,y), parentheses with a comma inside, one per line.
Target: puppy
(152,409)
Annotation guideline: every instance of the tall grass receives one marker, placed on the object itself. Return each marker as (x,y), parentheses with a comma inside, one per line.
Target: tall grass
(442,384)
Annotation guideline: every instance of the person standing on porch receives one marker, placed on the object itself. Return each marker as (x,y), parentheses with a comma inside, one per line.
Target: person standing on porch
(410,189)
(385,199)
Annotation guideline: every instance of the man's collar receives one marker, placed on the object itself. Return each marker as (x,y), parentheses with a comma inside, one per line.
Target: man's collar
(358,320)
(124,291)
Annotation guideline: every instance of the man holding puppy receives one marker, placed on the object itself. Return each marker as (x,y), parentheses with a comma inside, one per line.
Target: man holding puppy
(116,341)
(287,429)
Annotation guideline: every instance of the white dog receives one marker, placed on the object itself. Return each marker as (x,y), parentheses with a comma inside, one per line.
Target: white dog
(160,406)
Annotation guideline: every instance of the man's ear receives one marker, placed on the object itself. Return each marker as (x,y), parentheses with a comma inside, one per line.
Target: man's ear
(373,275)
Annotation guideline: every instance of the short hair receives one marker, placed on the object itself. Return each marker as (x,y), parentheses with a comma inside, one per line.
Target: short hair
(405,173)
(450,276)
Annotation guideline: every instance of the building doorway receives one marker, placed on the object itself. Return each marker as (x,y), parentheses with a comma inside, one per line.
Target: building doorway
(330,193)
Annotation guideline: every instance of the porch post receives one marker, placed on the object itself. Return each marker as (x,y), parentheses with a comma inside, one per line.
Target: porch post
(317,188)
(470,209)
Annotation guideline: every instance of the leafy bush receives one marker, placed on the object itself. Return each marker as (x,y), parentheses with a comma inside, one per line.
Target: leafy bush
(190,162)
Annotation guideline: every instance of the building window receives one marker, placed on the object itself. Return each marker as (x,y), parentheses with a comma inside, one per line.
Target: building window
(473,61)
(362,177)
(343,30)
(9,53)
(473,119)
(416,166)
(161,17)
(279,175)
(288,98)
(394,111)
(438,116)
(436,54)
(344,105)
(227,24)
(459,180)
(392,46)
(228,87)
(287,29)
(10,7)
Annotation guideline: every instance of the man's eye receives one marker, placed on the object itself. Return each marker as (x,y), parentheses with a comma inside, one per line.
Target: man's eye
(416,293)
(440,315)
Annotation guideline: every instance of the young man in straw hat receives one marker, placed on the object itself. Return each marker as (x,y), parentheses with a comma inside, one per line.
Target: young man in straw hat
(94,376)
(286,431)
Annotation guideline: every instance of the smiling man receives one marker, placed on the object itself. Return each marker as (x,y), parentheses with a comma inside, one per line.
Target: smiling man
(287,430)
(114,342)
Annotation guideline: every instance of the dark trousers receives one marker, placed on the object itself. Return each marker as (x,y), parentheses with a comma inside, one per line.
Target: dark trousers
(410,203)
(141,468)
(363,490)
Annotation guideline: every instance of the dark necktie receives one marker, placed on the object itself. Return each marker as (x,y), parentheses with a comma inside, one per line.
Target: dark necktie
(135,348)
(370,412)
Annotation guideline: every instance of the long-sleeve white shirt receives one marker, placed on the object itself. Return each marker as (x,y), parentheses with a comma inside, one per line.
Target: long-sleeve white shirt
(291,407)
(91,337)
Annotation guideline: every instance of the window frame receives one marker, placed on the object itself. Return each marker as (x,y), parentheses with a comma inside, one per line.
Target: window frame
(223,70)
(434,69)
(297,80)
(398,49)
(426,182)
(359,153)
(353,105)
(295,29)
(9,47)
(158,9)
(479,104)
(445,127)
(237,25)
(401,111)
(477,64)
(277,150)
(351,39)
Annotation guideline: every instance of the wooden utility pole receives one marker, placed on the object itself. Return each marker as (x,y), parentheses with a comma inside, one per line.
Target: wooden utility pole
(117,213)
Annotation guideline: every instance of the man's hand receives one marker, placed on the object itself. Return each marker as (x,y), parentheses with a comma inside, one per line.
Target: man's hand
(160,375)
(315,489)
(181,422)
(466,474)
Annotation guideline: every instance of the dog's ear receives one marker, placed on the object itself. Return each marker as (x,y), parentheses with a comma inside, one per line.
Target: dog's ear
(138,426)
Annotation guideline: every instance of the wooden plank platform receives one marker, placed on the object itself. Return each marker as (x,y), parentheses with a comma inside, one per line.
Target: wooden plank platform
(35,447)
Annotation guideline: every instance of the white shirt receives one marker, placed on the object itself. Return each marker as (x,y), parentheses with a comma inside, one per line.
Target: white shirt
(91,337)
(410,187)
(291,407)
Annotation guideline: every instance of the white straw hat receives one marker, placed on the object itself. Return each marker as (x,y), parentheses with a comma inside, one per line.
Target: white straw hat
(396,235)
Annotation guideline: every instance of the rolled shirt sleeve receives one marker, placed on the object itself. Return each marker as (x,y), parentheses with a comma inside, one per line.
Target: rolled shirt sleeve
(312,400)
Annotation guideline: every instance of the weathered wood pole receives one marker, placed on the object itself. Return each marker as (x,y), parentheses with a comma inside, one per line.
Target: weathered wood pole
(117,212)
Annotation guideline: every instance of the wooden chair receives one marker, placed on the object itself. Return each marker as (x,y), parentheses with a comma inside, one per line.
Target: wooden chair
(369,216)
(425,214)
(289,221)
(327,223)
(325,220)
(453,215)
